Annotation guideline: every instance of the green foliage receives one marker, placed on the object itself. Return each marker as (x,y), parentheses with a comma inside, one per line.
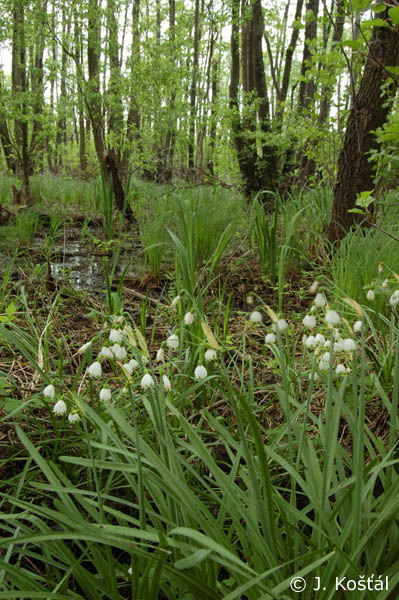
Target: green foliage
(26,224)
(354,265)
(5,189)
(5,289)
(63,192)
(144,499)
(187,258)
(266,235)
(385,157)
(104,200)
(198,217)
(155,214)
(213,209)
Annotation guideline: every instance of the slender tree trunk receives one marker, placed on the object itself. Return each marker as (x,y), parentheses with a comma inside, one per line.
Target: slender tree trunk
(109,160)
(169,153)
(133,117)
(49,135)
(369,112)
(7,145)
(289,54)
(36,147)
(205,120)
(308,87)
(20,89)
(212,128)
(60,139)
(328,88)
(80,101)
(5,137)
(267,162)
(193,91)
(113,96)
(259,170)
(93,98)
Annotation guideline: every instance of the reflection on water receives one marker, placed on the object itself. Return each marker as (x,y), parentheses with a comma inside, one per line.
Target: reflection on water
(79,272)
(73,262)
(85,271)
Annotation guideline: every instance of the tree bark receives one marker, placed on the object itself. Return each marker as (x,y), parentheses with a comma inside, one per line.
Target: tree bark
(193,91)
(93,98)
(327,89)
(80,101)
(258,169)
(133,117)
(370,110)
(5,137)
(307,88)
(166,166)
(288,64)
(60,140)
(114,92)
(36,146)
(19,90)
(212,129)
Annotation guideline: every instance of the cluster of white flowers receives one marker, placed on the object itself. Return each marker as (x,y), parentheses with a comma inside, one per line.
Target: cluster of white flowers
(278,325)
(383,287)
(325,351)
(60,407)
(125,351)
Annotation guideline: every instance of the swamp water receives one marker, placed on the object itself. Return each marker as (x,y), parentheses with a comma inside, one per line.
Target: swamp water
(74,260)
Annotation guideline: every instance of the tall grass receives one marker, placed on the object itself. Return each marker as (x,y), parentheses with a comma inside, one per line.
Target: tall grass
(205,212)
(5,189)
(155,501)
(266,235)
(26,225)
(66,192)
(355,265)
(184,491)
(213,209)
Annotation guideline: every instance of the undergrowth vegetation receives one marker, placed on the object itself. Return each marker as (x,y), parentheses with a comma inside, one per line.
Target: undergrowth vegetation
(222,433)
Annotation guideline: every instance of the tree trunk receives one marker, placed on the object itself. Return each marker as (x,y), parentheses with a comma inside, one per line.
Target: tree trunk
(307,88)
(20,89)
(5,137)
(169,152)
(203,122)
(36,146)
(327,89)
(267,162)
(80,101)
(212,129)
(258,169)
(109,160)
(93,98)
(193,91)
(133,116)
(62,99)
(288,64)
(370,110)
(113,96)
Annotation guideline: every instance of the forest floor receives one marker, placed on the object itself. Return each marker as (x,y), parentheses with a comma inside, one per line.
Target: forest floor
(78,256)
(179,376)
